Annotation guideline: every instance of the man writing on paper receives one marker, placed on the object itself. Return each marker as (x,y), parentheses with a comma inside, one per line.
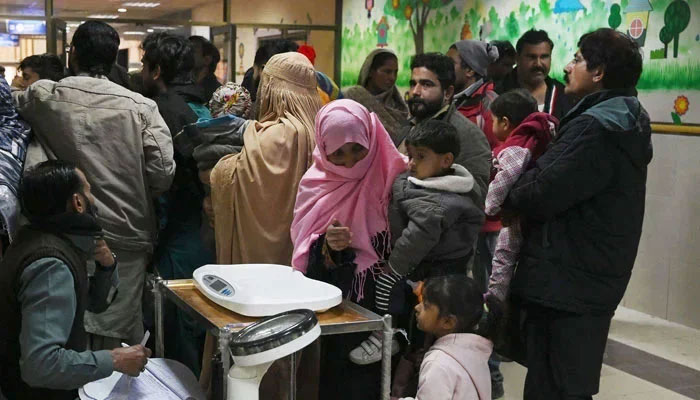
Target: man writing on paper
(45,291)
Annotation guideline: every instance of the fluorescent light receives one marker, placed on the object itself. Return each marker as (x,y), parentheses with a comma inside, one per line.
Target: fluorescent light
(103,16)
(165,28)
(149,30)
(134,33)
(140,4)
(121,10)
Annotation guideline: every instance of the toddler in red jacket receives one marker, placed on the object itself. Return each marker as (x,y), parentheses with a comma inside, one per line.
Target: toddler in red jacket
(525,133)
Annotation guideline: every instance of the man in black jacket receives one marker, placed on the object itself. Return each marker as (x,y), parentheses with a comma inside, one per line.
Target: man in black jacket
(582,207)
(168,61)
(534,59)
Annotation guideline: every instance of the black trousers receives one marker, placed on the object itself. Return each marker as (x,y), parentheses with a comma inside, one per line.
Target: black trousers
(564,353)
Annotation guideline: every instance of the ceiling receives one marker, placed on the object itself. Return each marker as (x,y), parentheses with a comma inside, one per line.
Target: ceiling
(171,9)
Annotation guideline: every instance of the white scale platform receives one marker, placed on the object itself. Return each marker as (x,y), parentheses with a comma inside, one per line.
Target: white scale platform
(261,290)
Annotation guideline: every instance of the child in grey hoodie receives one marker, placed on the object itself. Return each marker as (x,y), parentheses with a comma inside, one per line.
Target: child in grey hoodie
(433,219)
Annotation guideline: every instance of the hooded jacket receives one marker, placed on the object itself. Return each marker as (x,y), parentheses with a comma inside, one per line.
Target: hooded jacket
(583,205)
(432,220)
(456,368)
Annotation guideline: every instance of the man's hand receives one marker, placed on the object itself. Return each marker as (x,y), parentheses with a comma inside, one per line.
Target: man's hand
(103,255)
(130,360)
(338,237)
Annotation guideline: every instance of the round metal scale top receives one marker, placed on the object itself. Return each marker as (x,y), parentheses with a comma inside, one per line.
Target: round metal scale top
(272,332)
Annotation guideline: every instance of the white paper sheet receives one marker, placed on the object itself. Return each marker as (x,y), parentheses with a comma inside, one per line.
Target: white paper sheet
(163,380)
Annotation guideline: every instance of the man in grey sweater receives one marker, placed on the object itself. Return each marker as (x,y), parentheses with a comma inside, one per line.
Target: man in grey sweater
(432,88)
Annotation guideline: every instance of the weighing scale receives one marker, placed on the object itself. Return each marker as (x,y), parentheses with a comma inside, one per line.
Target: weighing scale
(256,347)
(260,290)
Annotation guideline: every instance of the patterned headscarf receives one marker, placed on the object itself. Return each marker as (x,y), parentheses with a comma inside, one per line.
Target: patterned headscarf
(230,99)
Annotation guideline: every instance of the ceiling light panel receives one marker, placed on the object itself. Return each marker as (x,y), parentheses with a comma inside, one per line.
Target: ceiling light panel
(140,4)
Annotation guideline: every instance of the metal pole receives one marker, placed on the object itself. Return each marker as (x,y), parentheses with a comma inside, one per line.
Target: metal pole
(387,336)
(225,335)
(158,284)
(293,376)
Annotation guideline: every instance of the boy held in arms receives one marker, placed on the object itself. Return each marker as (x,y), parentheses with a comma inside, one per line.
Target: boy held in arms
(434,222)
(525,134)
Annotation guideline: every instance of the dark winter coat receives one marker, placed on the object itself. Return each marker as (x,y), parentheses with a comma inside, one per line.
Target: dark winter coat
(583,206)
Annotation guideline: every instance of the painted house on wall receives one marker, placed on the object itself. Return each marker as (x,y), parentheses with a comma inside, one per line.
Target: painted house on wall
(637,19)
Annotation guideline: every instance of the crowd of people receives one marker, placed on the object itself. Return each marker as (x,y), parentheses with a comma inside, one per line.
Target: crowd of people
(533,188)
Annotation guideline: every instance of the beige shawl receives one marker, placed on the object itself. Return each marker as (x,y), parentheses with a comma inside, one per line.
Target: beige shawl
(253,192)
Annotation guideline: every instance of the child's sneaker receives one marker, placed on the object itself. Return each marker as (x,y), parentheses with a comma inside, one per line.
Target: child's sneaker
(370,350)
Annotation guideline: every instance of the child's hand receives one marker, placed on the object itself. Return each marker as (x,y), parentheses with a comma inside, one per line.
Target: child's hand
(338,237)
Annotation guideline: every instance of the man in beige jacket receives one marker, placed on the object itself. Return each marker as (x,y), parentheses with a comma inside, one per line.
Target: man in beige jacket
(118,138)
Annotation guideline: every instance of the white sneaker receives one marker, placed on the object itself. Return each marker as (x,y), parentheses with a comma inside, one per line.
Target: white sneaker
(370,350)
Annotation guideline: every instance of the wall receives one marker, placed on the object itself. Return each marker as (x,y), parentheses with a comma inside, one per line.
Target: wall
(416,26)
(208,12)
(301,12)
(323,43)
(666,277)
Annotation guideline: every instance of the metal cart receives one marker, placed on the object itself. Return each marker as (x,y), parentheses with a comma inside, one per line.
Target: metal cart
(347,317)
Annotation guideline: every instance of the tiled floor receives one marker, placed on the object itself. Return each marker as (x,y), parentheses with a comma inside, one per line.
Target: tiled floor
(652,335)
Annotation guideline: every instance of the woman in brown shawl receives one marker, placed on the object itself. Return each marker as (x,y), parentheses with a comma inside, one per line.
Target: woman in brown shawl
(254,191)
(376,89)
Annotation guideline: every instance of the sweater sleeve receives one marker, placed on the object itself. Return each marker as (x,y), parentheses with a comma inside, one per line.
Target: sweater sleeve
(47,298)
(511,164)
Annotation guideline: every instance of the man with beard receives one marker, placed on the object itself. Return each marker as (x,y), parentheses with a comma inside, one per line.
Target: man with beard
(168,61)
(119,140)
(584,204)
(45,290)
(431,90)
(534,60)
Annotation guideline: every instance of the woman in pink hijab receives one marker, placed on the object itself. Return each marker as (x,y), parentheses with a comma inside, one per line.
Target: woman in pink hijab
(340,229)
(343,198)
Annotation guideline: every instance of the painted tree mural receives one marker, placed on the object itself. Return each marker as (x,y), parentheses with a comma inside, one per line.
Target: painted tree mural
(676,18)
(615,19)
(416,12)
(665,37)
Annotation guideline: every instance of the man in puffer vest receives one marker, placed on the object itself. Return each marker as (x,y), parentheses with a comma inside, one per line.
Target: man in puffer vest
(45,290)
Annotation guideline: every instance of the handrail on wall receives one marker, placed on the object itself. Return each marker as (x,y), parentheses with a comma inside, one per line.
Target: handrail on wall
(672,129)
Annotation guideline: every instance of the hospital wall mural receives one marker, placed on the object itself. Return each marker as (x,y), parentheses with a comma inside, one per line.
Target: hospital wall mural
(668,32)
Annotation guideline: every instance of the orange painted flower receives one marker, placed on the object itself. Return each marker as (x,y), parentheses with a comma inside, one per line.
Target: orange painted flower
(681,105)
(395,4)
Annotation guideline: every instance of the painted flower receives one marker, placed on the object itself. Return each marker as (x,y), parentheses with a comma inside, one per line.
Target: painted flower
(681,105)
(395,4)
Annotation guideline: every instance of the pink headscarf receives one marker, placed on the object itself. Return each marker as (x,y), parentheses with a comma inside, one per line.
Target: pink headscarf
(357,197)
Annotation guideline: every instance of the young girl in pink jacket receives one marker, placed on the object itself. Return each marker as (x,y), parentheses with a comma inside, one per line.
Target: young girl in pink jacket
(455,367)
